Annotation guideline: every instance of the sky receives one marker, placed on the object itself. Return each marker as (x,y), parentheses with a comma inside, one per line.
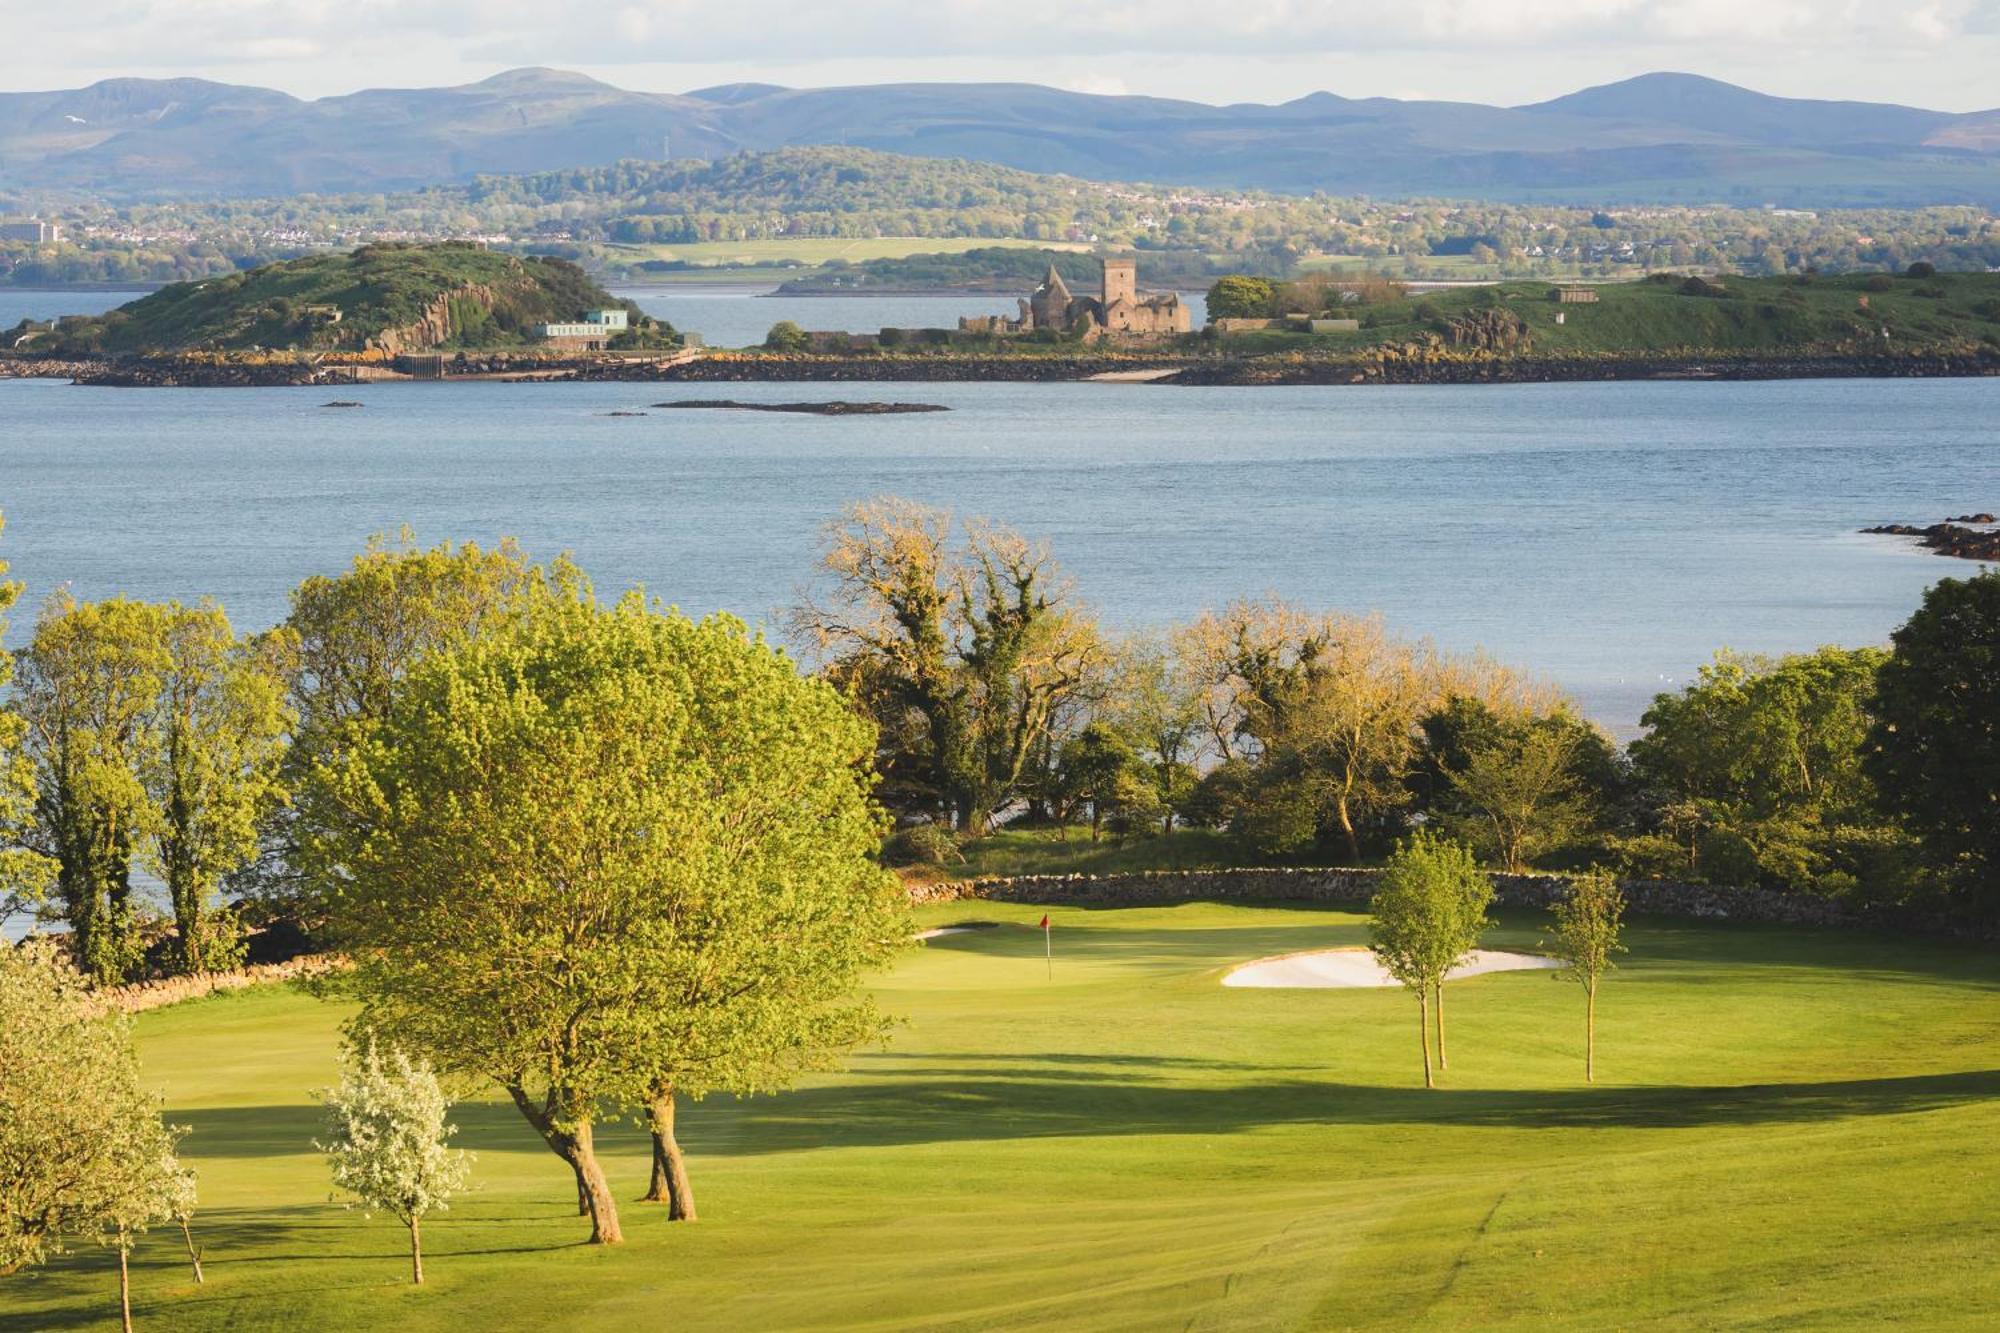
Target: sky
(1943,54)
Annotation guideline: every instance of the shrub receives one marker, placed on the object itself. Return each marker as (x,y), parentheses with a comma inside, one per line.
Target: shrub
(922,845)
(785,336)
(1923,268)
(1879,282)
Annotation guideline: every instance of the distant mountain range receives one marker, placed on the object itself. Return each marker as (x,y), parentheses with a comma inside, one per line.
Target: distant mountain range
(1657,138)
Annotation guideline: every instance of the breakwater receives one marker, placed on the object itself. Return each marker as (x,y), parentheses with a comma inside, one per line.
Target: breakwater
(1215,368)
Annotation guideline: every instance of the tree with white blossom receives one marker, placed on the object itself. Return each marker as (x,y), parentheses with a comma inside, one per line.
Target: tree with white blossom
(386,1140)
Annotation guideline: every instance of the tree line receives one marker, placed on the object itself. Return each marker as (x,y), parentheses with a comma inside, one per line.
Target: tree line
(998,697)
(851,192)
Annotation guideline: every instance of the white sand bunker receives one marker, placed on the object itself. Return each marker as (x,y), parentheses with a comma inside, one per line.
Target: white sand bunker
(962,928)
(1324,968)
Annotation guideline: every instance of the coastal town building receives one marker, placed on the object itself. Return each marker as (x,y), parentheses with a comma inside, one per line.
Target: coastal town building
(32,230)
(1118,309)
(590,334)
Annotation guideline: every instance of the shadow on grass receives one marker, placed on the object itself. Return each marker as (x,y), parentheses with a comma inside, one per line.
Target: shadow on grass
(975,1104)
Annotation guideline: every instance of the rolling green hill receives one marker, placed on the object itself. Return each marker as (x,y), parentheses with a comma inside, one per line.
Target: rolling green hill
(393,297)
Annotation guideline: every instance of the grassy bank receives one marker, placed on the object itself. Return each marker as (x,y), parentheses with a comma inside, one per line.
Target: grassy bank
(1791,1129)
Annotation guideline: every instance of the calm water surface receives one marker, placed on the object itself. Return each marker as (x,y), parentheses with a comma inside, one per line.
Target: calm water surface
(1608,535)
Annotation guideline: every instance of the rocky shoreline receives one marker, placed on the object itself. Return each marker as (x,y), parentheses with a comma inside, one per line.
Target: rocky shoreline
(1388,366)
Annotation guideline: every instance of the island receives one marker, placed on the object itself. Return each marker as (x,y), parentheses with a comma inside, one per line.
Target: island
(372,307)
(458,311)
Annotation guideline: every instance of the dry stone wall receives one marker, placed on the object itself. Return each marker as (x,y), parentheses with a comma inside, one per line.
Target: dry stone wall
(144,995)
(1354,887)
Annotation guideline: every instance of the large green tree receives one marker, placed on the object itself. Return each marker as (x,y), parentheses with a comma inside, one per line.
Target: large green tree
(210,770)
(347,643)
(1760,759)
(963,645)
(551,826)
(24,873)
(1934,748)
(1240,296)
(1515,784)
(89,682)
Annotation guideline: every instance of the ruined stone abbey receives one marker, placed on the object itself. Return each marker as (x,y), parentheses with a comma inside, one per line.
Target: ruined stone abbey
(1120,309)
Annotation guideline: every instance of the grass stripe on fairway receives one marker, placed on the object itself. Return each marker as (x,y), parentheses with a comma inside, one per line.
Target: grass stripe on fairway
(1789,1128)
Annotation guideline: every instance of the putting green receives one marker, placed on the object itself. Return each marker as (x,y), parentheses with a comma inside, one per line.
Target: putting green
(1795,1128)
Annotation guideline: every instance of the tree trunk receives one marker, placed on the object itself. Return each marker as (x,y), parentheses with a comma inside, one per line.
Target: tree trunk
(670,1175)
(124,1284)
(582,1192)
(604,1229)
(1424,1034)
(416,1251)
(1590,1033)
(1347,830)
(194,1255)
(1437,1000)
(576,1148)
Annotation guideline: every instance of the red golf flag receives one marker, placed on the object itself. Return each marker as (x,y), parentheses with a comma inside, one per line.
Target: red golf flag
(1045,921)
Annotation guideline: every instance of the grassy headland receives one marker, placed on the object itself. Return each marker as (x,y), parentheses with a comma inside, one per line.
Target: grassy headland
(421,296)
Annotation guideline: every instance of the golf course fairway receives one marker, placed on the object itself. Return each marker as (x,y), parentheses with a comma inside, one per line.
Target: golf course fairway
(1790,1128)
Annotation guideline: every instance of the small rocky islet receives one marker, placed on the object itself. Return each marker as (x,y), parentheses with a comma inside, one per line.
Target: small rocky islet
(1951,537)
(835,408)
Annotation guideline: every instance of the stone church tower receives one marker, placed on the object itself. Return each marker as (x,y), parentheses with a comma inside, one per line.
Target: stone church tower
(1121,281)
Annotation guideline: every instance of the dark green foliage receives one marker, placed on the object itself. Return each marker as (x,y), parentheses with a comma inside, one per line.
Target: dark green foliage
(1240,296)
(1755,769)
(1923,268)
(785,336)
(1934,749)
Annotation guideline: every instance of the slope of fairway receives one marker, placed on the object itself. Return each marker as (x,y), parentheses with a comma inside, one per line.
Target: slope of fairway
(1791,1128)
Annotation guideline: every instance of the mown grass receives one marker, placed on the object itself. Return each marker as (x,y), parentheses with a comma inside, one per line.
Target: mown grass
(1791,1129)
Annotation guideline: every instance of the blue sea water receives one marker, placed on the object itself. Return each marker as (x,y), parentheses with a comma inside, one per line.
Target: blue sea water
(1609,536)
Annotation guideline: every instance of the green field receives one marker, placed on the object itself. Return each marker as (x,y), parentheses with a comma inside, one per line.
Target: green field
(812,250)
(1792,1129)
(1743,315)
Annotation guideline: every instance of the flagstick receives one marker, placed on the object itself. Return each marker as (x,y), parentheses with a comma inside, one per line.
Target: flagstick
(1049,948)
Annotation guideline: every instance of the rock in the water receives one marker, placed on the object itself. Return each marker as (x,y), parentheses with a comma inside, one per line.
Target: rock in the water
(1949,538)
(832,409)
(341,402)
